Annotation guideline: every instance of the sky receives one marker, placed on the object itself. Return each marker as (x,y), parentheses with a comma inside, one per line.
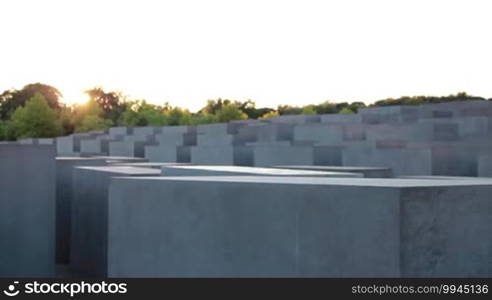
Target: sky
(273,52)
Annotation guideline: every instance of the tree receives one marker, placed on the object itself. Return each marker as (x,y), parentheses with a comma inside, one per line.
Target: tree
(309,110)
(230,112)
(12,99)
(113,104)
(3,131)
(345,111)
(93,122)
(35,120)
(203,118)
(88,117)
(268,115)
(141,113)
(178,116)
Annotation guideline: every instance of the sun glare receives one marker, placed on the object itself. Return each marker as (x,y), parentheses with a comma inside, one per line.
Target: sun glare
(74,97)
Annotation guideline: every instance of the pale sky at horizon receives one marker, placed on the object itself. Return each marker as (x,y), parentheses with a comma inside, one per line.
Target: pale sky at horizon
(273,52)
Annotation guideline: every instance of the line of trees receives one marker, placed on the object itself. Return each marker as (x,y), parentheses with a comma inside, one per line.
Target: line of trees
(35,111)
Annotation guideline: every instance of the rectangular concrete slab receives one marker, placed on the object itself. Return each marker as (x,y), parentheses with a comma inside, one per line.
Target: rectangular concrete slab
(27,210)
(88,245)
(153,165)
(170,170)
(368,172)
(255,226)
(64,193)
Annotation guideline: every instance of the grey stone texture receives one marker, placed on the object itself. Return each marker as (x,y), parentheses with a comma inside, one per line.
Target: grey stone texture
(64,194)
(173,170)
(27,210)
(88,245)
(235,226)
(368,172)
(485,166)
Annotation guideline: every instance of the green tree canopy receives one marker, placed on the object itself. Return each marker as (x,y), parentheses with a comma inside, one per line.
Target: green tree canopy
(112,104)
(35,120)
(230,112)
(11,99)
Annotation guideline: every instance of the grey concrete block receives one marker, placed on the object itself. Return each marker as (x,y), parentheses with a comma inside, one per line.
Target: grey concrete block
(99,145)
(389,114)
(333,134)
(132,145)
(401,161)
(173,170)
(152,165)
(176,139)
(222,155)
(340,118)
(255,226)
(27,210)
(368,172)
(119,159)
(88,245)
(485,166)
(296,119)
(262,132)
(457,109)
(120,131)
(170,153)
(64,193)
(68,145)
(271,155)
(219,129)
(178,129)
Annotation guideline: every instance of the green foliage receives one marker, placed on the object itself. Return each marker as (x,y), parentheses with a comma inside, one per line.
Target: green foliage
(93,122)
(89,117)
(35,120)
(289,110)
(141,113)
(179,116)
(270,114)
(230,112)
(203,118)
(418,100)
(308,110)
(3,131)
(345,111)
(112,104)
(12,99)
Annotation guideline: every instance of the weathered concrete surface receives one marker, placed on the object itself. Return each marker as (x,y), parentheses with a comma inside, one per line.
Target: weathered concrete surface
(368,172)
(256,226)
(132,145)
(99,145)
(88,245)
(275,154)
(70,145)
(113,159)
(27,210)
(485,166)
(64,193)
(170,170)
(222,155)
(171,153)
(153,165)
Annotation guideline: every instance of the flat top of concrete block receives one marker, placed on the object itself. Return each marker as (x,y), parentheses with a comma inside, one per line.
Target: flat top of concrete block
(149,164)
(121,158)
(335,168)
(361,182)
(434,177)
(124,170)
(262,171)
(78,158)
